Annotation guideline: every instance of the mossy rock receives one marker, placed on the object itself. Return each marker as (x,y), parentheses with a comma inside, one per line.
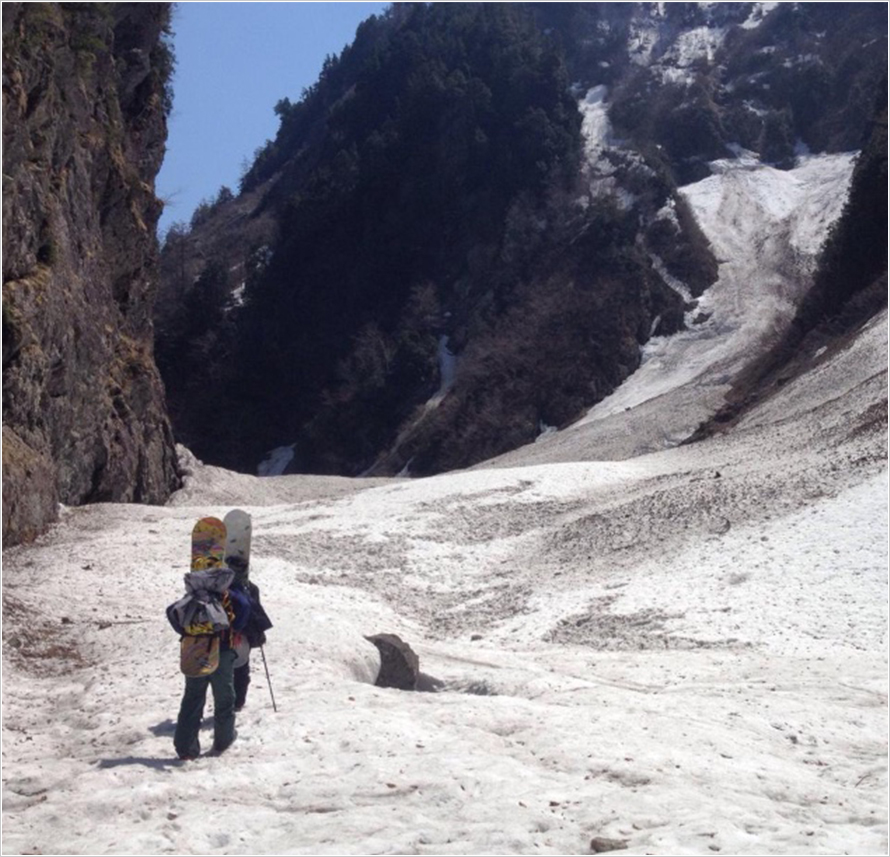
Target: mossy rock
(30,498)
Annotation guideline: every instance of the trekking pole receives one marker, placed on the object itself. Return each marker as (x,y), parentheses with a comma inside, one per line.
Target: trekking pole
(268,680)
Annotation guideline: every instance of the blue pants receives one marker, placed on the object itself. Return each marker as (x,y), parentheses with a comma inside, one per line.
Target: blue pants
(191,711)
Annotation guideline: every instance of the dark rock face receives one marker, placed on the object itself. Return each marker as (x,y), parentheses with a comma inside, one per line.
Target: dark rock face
(399,665)
(30,498)
(84,127)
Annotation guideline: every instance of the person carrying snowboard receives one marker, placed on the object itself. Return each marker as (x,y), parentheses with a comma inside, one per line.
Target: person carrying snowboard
(254,631)
(221,681)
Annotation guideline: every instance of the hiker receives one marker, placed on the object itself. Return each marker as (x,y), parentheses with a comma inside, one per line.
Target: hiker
(221,680)
(254,631)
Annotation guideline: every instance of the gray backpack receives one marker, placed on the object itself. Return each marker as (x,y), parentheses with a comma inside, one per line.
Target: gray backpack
(201,611)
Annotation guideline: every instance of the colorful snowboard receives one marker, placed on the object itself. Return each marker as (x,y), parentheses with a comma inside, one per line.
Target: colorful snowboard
(199,656)
(237,524)
(208,544)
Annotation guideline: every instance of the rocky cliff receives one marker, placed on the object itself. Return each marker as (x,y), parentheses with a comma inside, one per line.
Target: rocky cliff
(85,102)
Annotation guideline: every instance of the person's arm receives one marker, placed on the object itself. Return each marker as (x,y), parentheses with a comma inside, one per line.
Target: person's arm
(174,619)
(241,606)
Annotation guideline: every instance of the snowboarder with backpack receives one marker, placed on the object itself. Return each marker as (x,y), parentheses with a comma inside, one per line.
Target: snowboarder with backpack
(254,635)
(221,681)
(209,619)
(239,528)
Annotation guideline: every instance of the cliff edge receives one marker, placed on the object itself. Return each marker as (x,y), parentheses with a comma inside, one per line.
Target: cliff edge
(85,102)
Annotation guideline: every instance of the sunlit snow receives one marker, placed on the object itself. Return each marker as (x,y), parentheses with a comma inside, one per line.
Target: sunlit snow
(693,45)
(596,131)
(595,126)
(758,12)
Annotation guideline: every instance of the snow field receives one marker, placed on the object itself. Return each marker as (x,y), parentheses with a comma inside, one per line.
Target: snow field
(756,729)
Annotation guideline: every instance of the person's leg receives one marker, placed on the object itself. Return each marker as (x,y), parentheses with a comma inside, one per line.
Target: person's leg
(223,683)
(242,680)
(188,724)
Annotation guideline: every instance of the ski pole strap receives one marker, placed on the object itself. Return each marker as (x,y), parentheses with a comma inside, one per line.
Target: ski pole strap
(268,680)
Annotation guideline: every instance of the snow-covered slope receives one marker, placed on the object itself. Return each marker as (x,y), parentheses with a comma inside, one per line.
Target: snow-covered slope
(684,651)
(766,227)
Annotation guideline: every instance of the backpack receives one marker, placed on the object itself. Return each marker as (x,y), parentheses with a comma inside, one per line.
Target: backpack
(198,656)
(199,617)
(201,610)
(259,621)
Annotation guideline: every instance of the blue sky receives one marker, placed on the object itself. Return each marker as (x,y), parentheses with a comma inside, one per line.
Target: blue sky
(234,61)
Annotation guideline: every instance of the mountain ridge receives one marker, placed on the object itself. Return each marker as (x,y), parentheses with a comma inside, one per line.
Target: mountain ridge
(609,222)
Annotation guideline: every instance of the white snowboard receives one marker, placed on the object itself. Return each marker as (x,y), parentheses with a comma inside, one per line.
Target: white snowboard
(238,534)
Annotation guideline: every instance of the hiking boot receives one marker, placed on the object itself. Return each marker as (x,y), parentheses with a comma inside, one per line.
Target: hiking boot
(187,758)
(221,748)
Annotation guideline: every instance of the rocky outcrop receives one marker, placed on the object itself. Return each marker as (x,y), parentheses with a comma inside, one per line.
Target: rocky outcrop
(84,127)
(399,665)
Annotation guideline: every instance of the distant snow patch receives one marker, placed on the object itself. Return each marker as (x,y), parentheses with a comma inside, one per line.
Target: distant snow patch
(676,76)
(677,285)
(626,200)
(596,129)
(758,12)
(753,108)
(642,39)
(675,66)
(545,431)
(595,126)
(744,158)
(277,461)
(693,45)
(447,372)
(668,212)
